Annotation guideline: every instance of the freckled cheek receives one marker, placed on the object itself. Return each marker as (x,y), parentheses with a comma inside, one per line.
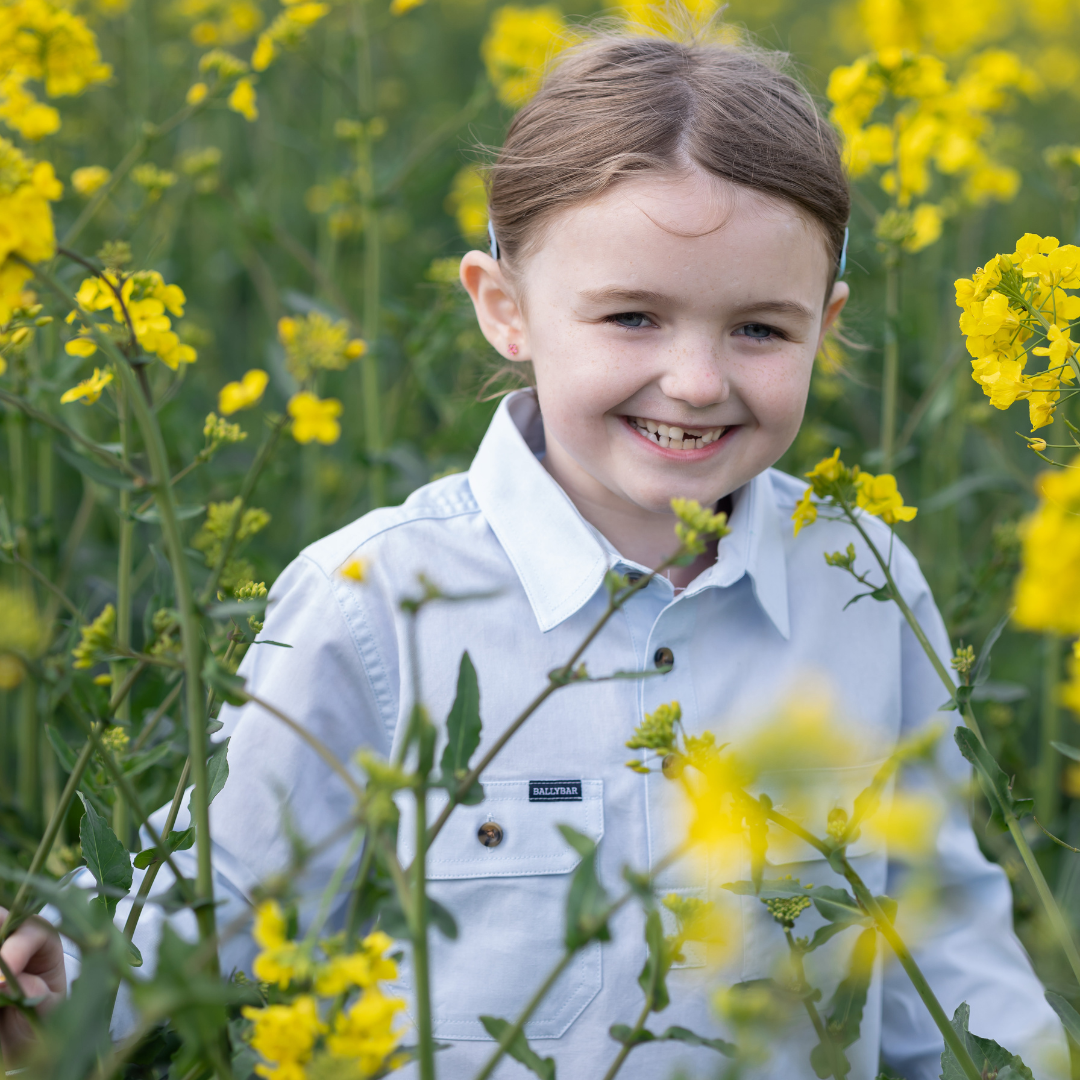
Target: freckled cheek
(776,394)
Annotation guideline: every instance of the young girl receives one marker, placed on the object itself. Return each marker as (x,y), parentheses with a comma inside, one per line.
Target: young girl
(668,222)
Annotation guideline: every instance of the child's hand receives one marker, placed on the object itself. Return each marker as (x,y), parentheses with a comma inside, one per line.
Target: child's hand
(35,956)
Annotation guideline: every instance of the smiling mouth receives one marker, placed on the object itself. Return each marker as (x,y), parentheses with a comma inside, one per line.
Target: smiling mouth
(672,437)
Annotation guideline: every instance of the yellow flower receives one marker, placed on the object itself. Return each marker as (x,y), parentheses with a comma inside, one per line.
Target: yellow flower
(362,969)
(805,511)
(242,100)
(907,826)
(401,7)
(926,222)
(878,495)
(20,625)
(81,346)
(89,179)
(518,45)
(467,201)
(364,1034)
(221,22)
(197,93)
(356,569)
(98,639)
(1070,690)
(315,342)
(281,961)
(12,671)
(314,419)
(284,1035)
(828,469)
(243,394)
(89,390)
(1048,588)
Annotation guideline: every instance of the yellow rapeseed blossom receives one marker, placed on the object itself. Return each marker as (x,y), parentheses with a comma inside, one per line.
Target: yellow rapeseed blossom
(943,27)
(315,342)
(402,7)
(43,41)
(281,961)
(197,93)
(694,524)
(364,968)
(147,299)
(220,22)
(12,671)
(878,495)
(89,178)
(848,488)
(1070,689)
(284,1036)
(907,825)
(314,419)
(98,639)
(242,99)
(20,624)
(287,31)
(356,569)
(929,124)
(26,226)
(364,1034)
(1048,588)
(467,201)
(1018,306)
(518,46)
(243,394)
(89,390)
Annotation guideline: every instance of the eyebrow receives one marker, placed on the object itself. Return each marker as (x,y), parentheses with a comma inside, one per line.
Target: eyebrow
(649,298)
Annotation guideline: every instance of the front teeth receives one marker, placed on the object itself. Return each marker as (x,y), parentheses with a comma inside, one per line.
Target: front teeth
(674,437)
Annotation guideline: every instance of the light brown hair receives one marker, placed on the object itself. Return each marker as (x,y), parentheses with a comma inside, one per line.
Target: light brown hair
(621,104)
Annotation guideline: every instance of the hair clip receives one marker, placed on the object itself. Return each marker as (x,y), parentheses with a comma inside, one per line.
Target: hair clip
(843,251)
(493,245)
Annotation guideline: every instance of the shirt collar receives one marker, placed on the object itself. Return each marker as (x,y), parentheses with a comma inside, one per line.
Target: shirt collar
(560,559)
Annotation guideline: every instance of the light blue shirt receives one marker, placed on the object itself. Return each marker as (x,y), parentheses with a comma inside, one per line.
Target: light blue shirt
(744,635)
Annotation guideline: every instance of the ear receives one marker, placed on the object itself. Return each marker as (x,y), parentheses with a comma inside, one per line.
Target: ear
(497,310)
(837,299)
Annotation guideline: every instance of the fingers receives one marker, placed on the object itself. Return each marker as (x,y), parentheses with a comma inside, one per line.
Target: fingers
(34,954)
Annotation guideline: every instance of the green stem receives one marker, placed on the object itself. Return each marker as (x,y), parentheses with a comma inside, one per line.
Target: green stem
(890,374)
(1057,920)
(52,830)
(420,957)
(635,1031)
(913,972)
(806,992)
(124,560)
(369,368)
(1046,780)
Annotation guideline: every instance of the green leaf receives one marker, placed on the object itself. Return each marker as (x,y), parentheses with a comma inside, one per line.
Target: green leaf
(988,1056)
(221,679)
(1068,751)
(624,1034)
(846,1007)
(519,1049)
(217,770)
(95,469)
(153,515)
(463,728)
(836,905)
(175,841)
(981,672)
(657,964)
(587,902)
(1067,1014)
(106,857)
(995,783)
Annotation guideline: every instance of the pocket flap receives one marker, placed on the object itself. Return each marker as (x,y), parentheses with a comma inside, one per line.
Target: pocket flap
(530,842)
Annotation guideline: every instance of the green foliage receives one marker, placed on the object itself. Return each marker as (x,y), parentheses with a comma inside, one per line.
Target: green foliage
(106,857)
(519,1048)
(989,1057)
(463,728)
(996,784)
(587,901)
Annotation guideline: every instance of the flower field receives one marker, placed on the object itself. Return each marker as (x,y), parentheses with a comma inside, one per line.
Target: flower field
(230,323)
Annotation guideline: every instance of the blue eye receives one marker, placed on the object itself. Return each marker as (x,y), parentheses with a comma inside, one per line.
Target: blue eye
(757,331)
(632,320)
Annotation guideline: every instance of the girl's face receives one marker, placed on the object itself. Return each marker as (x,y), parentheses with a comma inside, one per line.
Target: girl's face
(672,324)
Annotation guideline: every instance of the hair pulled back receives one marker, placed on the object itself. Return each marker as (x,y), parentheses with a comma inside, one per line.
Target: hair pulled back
(620,105)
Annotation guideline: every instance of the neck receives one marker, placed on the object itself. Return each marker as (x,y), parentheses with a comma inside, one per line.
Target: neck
(640,535)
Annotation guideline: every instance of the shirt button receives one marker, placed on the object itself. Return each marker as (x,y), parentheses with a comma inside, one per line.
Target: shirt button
(490,834)
(634,576)
(664,657)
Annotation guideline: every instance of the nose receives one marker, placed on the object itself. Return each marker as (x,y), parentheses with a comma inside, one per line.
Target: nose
(695,374)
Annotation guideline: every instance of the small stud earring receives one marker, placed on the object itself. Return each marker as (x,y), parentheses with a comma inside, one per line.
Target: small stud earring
(513,349)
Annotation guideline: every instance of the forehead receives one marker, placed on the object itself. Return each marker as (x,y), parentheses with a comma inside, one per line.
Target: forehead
(691,228)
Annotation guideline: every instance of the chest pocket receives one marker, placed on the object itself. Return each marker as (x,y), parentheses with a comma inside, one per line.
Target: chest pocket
(508,899)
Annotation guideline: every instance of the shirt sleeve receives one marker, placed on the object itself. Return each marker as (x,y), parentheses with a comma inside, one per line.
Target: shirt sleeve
(969,952)
(283,810)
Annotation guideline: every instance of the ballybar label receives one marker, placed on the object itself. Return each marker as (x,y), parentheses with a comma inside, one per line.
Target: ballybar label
(554,791)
